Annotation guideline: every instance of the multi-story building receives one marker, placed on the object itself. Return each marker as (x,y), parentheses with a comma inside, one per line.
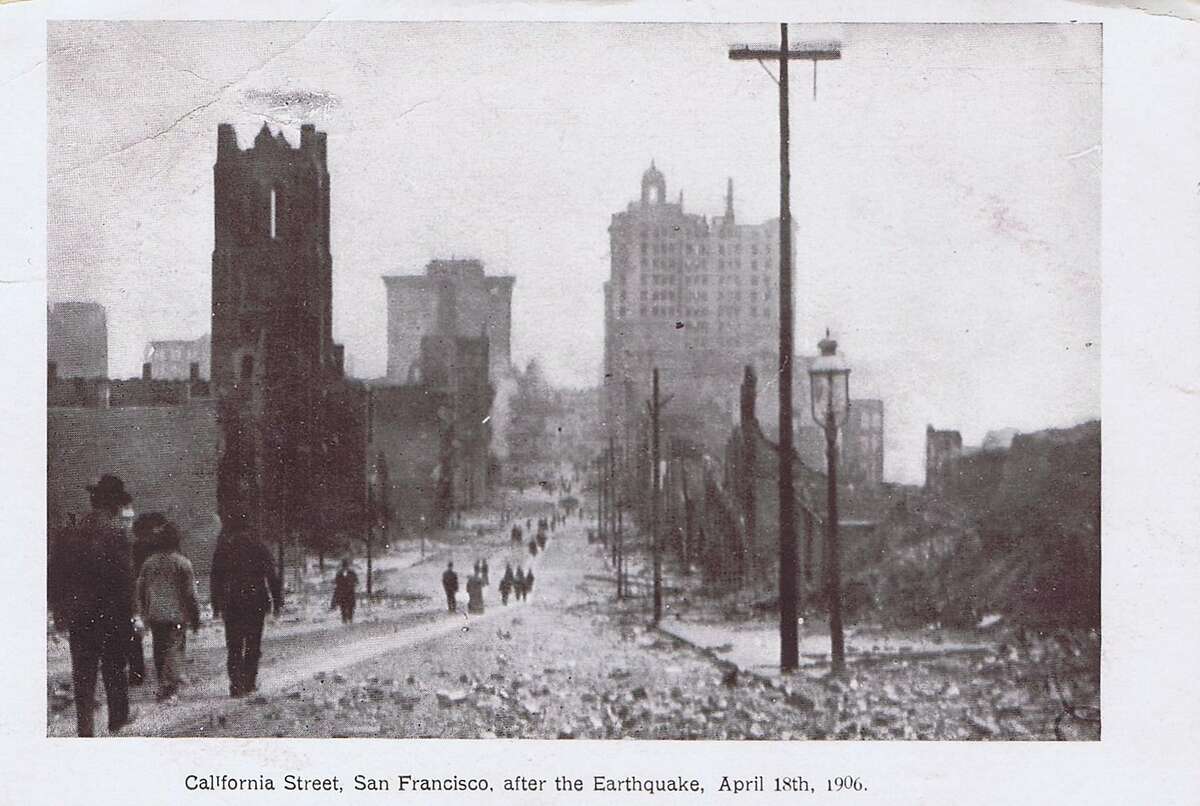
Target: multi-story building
(77,340)
(862,444)
(179,359)
(698,299)
(452,297)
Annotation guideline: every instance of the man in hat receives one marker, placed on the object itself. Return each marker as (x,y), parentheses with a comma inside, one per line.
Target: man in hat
(91,595)
(450,586)
(244,587)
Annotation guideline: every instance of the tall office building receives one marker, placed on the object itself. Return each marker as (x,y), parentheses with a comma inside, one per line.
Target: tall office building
(695,297)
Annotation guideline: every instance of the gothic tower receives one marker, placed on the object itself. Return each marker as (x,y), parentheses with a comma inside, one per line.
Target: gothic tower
(273,354)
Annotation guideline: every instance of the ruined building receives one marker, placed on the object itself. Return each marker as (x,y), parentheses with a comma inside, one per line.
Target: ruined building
(290,451)
(180,359)
(943,449)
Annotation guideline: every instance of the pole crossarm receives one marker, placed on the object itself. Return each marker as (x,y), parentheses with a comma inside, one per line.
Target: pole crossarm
(810,53)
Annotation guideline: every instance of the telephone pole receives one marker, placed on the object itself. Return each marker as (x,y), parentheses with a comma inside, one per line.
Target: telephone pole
(654,506)
(620,539)
(789,637)
(600,496)
(610,469)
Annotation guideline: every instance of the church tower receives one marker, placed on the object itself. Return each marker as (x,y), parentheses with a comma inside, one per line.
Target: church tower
(273,356)
(272,269)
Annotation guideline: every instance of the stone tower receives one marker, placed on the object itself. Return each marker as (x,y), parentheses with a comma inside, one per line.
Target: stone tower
(273,357)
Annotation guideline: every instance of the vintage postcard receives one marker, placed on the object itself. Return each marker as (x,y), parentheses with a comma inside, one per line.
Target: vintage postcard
(595,379)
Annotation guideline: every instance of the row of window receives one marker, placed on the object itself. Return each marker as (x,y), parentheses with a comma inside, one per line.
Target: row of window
(721,265)
(670,281)
(723,312)
(675,233)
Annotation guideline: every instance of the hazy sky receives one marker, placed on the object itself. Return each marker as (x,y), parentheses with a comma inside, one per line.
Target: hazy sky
(946,185)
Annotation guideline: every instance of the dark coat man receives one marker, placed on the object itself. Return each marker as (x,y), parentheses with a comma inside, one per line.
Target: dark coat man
(244,587)
(450,586)
(345,591)
(91,594)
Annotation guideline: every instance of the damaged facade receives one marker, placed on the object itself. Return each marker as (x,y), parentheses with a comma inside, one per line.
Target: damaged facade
(291,461)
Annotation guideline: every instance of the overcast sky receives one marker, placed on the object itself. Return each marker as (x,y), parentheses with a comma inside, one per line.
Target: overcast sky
(946,185)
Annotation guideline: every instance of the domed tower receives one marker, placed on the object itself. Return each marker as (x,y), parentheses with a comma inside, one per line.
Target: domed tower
(653,179)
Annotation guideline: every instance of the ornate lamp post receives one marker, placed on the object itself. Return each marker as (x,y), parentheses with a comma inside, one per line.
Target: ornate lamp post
(830,378)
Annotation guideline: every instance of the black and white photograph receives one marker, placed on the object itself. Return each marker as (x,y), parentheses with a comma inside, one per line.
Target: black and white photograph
(425,381)
(771,393)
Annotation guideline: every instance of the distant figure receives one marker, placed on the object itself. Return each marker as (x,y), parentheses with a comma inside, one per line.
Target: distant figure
(345,591)
(519,583)
(474,594)
(166,595)
(450,586)
(516,533)
(483,567)
(477,569)
(542,539)
(506,583)
(533,547)
(528,583)
(244,588)
(90,584)
(528,524)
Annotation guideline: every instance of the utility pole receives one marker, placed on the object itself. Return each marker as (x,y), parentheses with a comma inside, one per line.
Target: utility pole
(611,469)
(789,637)
(599,498)
(654,537)
(620,539)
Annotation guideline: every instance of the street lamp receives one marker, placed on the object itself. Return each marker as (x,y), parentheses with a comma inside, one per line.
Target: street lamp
(830,379)
(373,491)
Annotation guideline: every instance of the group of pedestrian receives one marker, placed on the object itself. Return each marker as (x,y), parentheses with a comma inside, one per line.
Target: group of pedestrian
(113,577)
(519,583)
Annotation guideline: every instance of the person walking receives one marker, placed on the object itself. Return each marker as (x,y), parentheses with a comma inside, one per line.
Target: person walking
(166,594)
(506,583)
(91,594)
(519,583)
(528,583)
(474,594)
(145,542)
(245,587)
(345,591)
(450,586)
